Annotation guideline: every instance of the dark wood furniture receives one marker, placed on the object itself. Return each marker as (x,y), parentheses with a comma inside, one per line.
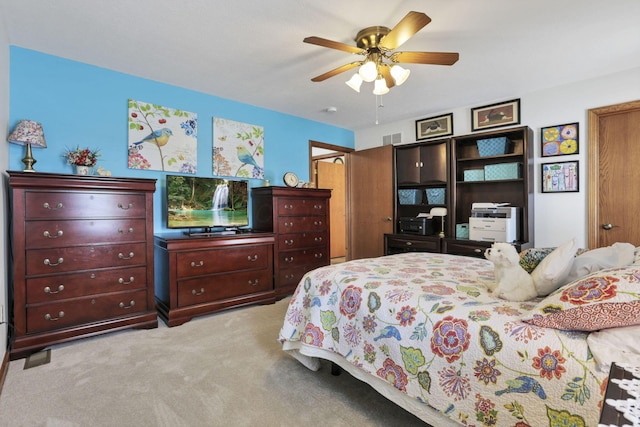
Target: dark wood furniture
(82,257)
(206,274)
(442,164)
(299,218)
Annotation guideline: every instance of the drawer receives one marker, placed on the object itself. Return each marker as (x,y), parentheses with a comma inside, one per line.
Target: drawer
(68,313)
(465,248)
(297,206)
(71,204)
(291,276)
(60,260)
(488,224)
(302,240)
(73,285)
(409,244)
(48,234)
(200,263)
(303,257)
(302,223)
(220,286)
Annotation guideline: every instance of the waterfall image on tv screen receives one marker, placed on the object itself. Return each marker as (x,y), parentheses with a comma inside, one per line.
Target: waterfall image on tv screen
(197,202)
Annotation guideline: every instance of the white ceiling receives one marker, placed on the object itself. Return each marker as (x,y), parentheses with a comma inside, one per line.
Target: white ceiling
(252,51)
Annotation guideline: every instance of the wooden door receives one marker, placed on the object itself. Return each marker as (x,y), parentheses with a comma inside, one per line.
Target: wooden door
(371,201)
(332,176)
(614,175)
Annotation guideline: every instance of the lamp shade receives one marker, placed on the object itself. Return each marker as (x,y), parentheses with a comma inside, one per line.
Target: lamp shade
(438,212)
(28,132)
(368,71)
(355,82)
(399,74)
(380,87)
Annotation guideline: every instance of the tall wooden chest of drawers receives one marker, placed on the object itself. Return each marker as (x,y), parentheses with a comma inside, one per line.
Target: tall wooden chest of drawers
(299,218)
(82,249)
(206,274)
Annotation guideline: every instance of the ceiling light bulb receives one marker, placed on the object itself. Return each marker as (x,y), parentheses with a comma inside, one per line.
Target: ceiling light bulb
(380,87)
(369,71)
(355,82)
(399,74)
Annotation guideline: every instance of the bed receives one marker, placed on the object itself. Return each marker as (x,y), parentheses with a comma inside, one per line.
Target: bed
(423,330)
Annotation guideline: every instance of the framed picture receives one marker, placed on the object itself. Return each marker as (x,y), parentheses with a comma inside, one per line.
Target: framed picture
(559,140)
(495,115)
(434,127)
(560,177)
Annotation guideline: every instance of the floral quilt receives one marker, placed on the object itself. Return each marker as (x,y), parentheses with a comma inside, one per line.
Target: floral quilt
(427,324)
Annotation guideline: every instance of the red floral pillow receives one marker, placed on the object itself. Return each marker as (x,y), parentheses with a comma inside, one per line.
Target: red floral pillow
(606,299)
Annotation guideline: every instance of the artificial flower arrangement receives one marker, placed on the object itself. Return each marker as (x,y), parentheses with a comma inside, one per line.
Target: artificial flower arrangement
(82,156)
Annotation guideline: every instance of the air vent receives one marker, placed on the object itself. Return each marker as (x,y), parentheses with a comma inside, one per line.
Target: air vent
(395,138)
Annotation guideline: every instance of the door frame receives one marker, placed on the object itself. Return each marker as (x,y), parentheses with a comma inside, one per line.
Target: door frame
(593,152)
(344,151)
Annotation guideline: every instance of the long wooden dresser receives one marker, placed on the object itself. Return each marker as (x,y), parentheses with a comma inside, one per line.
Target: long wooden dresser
(82,250)
(299,218)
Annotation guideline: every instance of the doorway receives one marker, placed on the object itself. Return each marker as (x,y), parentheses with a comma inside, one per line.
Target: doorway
(328,169)
(614,154)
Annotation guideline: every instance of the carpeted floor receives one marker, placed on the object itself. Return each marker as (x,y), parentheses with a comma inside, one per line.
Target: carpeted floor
(222,369)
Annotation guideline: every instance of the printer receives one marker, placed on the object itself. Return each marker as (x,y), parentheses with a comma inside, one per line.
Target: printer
(494,222)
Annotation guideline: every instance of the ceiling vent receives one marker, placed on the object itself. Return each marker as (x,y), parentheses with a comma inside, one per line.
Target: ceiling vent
(395,138)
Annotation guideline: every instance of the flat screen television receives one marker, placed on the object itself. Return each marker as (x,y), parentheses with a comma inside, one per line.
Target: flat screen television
(209,204)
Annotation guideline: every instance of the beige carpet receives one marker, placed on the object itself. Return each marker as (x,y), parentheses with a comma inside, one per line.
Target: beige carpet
(222,369)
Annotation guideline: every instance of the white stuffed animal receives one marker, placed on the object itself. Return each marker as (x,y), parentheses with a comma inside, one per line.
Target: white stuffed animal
(512,283)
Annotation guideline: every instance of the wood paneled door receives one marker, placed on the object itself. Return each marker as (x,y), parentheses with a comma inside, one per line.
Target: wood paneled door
(614,175)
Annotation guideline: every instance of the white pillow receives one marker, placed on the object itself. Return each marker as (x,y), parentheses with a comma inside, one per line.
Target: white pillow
(553,270)
(615,345)
(616,255)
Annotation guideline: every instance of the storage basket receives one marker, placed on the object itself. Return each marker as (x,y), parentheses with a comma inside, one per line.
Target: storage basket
(435,196)
(494,146)
(410,197)
(462,231)
(473,175)
(503,171)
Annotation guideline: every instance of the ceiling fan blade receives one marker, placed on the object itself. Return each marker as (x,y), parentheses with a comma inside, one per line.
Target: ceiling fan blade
(336,71)
(332,44)
(436,58)
(404,30)
(386,73)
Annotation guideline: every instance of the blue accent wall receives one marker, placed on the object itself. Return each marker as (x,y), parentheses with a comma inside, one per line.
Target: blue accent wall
(80,104)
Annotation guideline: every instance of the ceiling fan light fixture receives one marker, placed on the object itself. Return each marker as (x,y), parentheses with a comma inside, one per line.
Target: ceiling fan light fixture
(368,71)
(355,82)
(380,87)
(399,74)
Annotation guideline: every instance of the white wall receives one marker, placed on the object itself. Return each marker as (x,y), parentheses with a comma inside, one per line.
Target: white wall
(4,164)
(560,216)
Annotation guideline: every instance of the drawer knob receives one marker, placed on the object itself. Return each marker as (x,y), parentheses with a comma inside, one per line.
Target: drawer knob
(289,207)
(123,282)
(126,208)
(288,224)
(195,292)
(318,255)
(476,250)
(47,290)
(53,319)
(252,258)
(318,239)
(253,282)
(48,206)
(199,264)
(317,223)
(131,304)
(289,276)
(123,256)
(121,231)
(47,261)
(408,243)
(50,236)
(317,206)
(288,242)
(288,259)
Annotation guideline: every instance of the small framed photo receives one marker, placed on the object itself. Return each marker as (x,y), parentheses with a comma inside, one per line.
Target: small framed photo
(559,140)
(495,115)
(434,127)
(561,177)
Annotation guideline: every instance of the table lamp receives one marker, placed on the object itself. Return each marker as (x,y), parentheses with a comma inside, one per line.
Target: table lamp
(441,212)
(28,132)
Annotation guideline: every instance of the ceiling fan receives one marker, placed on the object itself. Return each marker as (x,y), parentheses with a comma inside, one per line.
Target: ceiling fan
(380,62)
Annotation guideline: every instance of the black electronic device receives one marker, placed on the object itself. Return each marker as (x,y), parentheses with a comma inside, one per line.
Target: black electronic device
(413,225)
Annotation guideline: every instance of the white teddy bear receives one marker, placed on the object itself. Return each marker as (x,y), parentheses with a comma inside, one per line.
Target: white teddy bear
(512,282)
